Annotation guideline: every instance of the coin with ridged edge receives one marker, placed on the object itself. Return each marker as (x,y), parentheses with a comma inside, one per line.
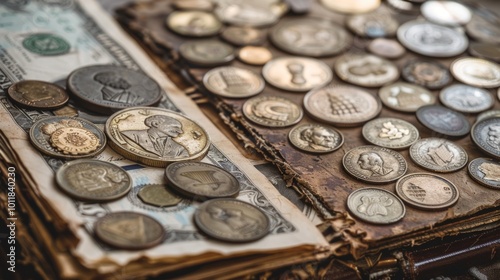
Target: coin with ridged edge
(390,133)
(38,95)
(316,138)
(486,135)
(438,155)
(443,120)
(486,172)
(272,111)
(377,206)
(233,82)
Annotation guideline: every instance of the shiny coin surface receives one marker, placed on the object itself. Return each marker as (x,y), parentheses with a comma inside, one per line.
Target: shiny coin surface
(352,6)
(203,5)
(485,50)
(297,73)
(432,39)
(272,111)
(446,12)
(194,23)
(129,230)
(38,95)
(376,206)
(466,99)
(158,195)
(366,70)
(426,73)
(405,97)
(439,155)
(255,55)
(243,36)
(486,172)
(91,143)
(109,88)
(253,14)
(488,114)
(231,220)
(341,105)
(93,180)
(156,136)
(427,191)
(486,135)
(373,25)
(483,31)
(390,133)
(316,138)
(387,48)
(207,52)
(233,82)
(310,36)
(201,181)
(374,164)
(476,72)
(443,120)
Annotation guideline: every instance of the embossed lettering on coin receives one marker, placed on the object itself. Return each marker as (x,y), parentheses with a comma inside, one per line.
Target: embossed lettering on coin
(272,111)
(316,138)
(438,155)
(405,97)
(466,99)
(486,172)
(390,133)
(74,141)
(233,82)
(486,135)
(158,195)
(443,120)
(426,73)
(194,23)
(376,206)
(38,94)
(476,72)
(366,70)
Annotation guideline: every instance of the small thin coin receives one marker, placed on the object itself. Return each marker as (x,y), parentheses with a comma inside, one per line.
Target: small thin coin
(201,181)
(193,23)
(481,30)
(448,13)
(486,135)
(405,97)
(488,114)
(232,220)
(158,195)
(486,172)
(366,70)
(485,50)
(476,72)
(352,6)
(255,55)
(386,48)
(207,52)
(38,95)
(272,111)
(316,138)
(93,180)
(373,25)
(243,36)
(466,99)
(426,73)
(438,155)
(233,82)
(443,120)
(376,206)
(129,230)
(74,141)
(390,133)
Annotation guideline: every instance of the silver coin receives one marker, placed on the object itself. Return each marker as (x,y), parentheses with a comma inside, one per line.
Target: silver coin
(390,133)
(427,73)
(476,72)
(432,39)
(443,120)
(297,73)
(207,52)
(272,111)
(481,30)
(373,25)
(405,97)
(254,14)
(366,70)
(193,23)
(466,99)
(386,48)
(374,164)
(243,36)
(232,220)
(448,13)
(486,172)
(316,138)
(376,206)
(439,155)
(486,135)
(488,114)
(233,82)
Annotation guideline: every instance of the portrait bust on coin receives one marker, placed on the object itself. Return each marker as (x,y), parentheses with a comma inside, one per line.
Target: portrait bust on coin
(318,138)
(373,162)
(494,136)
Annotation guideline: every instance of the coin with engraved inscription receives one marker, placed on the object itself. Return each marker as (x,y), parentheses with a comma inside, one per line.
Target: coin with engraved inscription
(156,136)
(255,55)
(488,114)
(108,88)
(202,5)
(232,220)
(486,172)
(438,155)
(476,72)
(341,105)
(272,111)
(485,50)
(443,120)
(129,230)
(466,99)
(316,138)
(373,25)
(366,70)
(426,73)
(193,23)
(390,133)
(448,13)
(352,6)
(76,137)
(93,180)
(386,48)
(201,181)
(376,206)
(233,82)
(427,191)
(158,195)
(38,95)
(254,14)
(297,73)
(405,97)
(243,36)
(374,164)
(310,36)
(486,135)
(207,52)
(481,30)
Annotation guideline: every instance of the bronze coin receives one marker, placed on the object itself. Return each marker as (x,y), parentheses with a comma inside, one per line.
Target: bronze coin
(158,195)
(443,120)
(272,111)
(38,95)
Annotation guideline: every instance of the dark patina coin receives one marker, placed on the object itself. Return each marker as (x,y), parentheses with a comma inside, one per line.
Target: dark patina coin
(207,52)
(486,135)
(158,195)
(485,50)
(443,120)
(486,172)
(429,74)
(38,95)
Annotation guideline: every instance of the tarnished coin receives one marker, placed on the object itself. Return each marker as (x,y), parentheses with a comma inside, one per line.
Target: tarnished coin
(232,220)
(366,70)
(488,114)
(156,136)
(390,133)
(374,164)
(443,120)
(91,143)
(373,25)
(243,36)
(108,88)
(233,82)
(341,105)
(310,36)
(93,180)
(438,155)
(352,6)
(202,5)
(201,181)
(476,72)
(387,48)
(426,73)
(316,138)
(38,95)
(255,55)
(432,39)
(207,52)
(158,195)
(129,230)
(194,23)
(486,135)
(376,206)
(427,191)
(486,172)
(448,13)
(485,50)
(466,99)
(482,30)
(297,73)
(405,97)
(254,14)
(272,111)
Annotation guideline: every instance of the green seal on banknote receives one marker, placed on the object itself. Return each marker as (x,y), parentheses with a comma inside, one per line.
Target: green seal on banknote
(46,44)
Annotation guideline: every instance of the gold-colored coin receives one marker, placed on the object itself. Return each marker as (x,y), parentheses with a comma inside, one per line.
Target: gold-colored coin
(74,140)
(272,111)
(158,195)
(255,55)
(194,23)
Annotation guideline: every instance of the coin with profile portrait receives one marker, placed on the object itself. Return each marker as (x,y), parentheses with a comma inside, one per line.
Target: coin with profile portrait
(486,135)
(316,138)
(486,172)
